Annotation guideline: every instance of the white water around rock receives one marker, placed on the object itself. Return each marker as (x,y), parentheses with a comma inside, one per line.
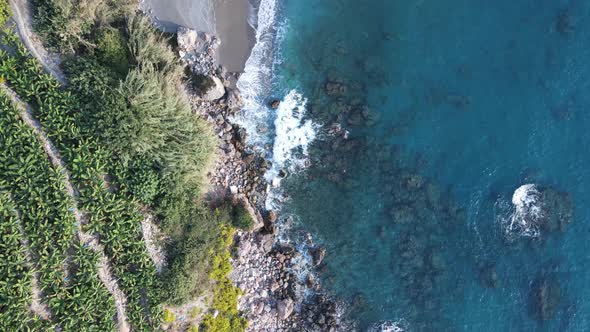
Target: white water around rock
(526,217)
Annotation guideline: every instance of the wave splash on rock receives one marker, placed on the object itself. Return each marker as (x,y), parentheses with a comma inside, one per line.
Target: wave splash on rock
(528,213)
(293,134)
(389,326)
(535,210)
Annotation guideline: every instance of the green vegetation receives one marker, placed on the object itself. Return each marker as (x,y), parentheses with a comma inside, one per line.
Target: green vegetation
(225,297)
(4,12)
(111,50)
(241,218)
(169,316)
(67,271)
(125,130)
(112,215)
(14,272)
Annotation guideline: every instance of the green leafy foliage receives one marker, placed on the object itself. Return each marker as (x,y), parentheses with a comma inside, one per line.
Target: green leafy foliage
(225,295)
(5,12)
(143,180)
(169,316)
(68,25)
(113,215)
(111,49)
(124,116)
(45,212)
(241,218)
(202,83)
(191,256)
(14,272)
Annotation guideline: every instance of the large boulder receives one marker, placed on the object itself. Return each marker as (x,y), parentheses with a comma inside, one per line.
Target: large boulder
(252,211)
(285,308)
(214,91)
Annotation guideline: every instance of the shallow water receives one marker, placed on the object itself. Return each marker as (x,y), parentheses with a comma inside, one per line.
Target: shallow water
(450,107)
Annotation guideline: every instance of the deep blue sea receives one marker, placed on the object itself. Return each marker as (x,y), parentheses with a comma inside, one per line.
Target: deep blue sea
(428,116)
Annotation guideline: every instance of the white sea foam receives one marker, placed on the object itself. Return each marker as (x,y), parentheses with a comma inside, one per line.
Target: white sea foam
(389,326)
(527,212)
(293,134)
(255,83)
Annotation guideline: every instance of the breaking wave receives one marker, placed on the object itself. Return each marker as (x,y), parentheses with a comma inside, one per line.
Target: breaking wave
(293,134)
(255,84)
(284,128)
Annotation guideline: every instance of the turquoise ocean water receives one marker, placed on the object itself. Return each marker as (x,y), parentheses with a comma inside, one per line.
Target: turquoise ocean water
(449,107)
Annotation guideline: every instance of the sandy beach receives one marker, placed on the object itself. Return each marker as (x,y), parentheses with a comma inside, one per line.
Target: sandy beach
(227,19)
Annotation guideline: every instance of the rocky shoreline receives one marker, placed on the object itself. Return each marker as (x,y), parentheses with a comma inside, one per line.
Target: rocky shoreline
(281,292)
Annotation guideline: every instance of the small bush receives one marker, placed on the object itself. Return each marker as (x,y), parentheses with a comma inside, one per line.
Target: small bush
(194,255)
(111,49)
(193,328)
(241,218)
(195,312)
(143,180)
(169,316)
(223,323)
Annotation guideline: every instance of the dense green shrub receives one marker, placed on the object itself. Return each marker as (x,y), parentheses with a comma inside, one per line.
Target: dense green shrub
(143,180)
(144,117)
(168,316)
(5,12)
(225,301)
(68,25)
(241,218)
(111,49)
(149,47)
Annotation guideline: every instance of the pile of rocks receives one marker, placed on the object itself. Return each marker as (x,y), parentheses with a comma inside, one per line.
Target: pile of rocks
(280,291)
(237,169)
(198,50)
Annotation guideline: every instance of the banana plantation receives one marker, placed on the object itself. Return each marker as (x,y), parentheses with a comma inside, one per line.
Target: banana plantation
(38,224)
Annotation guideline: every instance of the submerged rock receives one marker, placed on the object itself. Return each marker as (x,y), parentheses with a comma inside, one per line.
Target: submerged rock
(545,298)
(318,255)
(488,276)
(335,88)
(275,104)
(565,23)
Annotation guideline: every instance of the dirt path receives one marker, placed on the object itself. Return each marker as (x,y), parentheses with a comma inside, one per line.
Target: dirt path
(104,271)
(37,307)
(152,237)
(21,13)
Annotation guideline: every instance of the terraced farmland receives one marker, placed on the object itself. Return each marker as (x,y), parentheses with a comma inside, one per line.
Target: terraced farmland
(67,267)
